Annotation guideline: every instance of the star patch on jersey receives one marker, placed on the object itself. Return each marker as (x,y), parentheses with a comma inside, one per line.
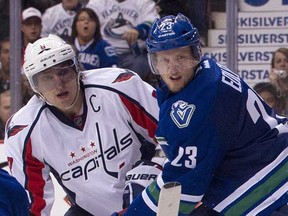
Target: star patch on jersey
(181,113)
(124,76)
(15,129)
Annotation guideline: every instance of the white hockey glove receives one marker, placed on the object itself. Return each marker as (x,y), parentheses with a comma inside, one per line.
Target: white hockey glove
(143,174)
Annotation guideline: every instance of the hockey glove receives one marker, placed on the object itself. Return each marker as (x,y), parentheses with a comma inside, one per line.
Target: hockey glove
(143,174)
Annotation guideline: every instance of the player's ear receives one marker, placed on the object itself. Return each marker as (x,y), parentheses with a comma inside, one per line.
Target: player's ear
(81,76)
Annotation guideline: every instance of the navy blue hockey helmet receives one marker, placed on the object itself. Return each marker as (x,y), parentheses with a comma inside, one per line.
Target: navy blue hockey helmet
(172,32)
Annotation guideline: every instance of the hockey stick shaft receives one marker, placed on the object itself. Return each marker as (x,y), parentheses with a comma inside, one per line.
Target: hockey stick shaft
(169,199)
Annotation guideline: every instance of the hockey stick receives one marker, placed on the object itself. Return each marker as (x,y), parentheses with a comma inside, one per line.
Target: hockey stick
(3,164)
(169,199)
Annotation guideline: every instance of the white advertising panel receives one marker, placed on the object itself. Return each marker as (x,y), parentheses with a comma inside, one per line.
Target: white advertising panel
(246,55)
(253,20)
(249,37)
(263,5)
(253,74)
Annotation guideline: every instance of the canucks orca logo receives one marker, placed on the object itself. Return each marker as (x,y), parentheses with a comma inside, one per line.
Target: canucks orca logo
(116,27)
(256,2)
(181,113)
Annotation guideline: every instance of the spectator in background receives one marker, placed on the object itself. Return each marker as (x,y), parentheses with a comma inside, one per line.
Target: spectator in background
(58,19)
(269,94)
(125,25)
(4,63)
(31,27)
(5,71)
(92,51)
(279,74)
(5,102)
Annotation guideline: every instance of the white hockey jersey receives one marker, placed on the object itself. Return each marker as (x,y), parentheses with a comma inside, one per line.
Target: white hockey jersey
(118,17)
(56,20)
(90,163)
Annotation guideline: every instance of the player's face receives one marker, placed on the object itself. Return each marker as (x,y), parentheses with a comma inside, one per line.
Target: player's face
(176,67)
(58,85)
(85,27)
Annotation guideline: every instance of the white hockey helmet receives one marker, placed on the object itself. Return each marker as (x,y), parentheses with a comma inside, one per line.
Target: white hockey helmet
(45,53)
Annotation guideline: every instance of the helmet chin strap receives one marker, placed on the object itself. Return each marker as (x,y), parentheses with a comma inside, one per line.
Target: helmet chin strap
(75,99)
(77,95)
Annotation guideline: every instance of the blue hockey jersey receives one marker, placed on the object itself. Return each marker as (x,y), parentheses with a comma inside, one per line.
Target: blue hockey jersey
(224,144)
(98,54)
(13,198)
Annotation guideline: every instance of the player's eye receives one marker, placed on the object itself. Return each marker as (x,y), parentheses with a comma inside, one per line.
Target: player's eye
(46,78)
(162,60)
(181,58)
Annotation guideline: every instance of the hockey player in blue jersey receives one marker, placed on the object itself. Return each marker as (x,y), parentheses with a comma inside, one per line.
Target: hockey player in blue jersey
(224,144)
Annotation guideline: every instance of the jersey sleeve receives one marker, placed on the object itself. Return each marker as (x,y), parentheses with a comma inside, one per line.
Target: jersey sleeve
(27,166)
(141,105)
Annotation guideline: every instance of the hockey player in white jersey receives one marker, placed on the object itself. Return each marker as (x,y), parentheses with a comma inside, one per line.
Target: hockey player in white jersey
(84,127)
